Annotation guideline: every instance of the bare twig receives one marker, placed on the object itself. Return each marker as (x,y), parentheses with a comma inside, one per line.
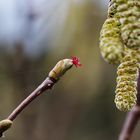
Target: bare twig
(6,124)
(46,84)
(60,68)
(132,118)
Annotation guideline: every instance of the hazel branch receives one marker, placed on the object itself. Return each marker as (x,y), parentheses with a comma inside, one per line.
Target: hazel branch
(46,84)
(132,118)
(55,74)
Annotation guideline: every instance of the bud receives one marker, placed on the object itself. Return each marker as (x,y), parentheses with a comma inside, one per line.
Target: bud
(5,125)
(62,67)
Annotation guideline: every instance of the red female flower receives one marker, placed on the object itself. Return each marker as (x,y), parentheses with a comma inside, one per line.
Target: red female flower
(76,61)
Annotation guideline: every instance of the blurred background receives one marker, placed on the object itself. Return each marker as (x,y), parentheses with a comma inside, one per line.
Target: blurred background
(34,35)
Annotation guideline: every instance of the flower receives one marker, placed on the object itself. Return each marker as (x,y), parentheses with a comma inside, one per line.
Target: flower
(76,62)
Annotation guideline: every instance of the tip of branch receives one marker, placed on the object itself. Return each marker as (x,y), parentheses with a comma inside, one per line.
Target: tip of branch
(5,125)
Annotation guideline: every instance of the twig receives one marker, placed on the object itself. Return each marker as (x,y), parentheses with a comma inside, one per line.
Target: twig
(55,74)
(6,124)
(46,84)
(132,118)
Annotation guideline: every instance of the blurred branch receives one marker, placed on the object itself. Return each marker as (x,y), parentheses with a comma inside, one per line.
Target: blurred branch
(132,118)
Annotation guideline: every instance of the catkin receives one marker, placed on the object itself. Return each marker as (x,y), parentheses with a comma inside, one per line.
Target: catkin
(127,73)
(128,14)
(110,44)
(120,42)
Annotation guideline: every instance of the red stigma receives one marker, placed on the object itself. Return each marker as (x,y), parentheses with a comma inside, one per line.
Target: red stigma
(76,62)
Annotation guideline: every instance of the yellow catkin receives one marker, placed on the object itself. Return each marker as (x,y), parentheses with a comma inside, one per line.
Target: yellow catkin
(122,28)
(127,73)
(110,44)
(128,14)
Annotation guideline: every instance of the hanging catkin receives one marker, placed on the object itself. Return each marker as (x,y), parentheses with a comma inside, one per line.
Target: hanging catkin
(110,43)
(128,13)
(126,89)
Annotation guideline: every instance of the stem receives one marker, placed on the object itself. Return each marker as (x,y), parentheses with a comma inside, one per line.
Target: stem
(46,84)
(54,75)
(132,117)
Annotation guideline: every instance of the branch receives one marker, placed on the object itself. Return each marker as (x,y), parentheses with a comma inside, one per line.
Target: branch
(132,118)
(55,74)
(46,84)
